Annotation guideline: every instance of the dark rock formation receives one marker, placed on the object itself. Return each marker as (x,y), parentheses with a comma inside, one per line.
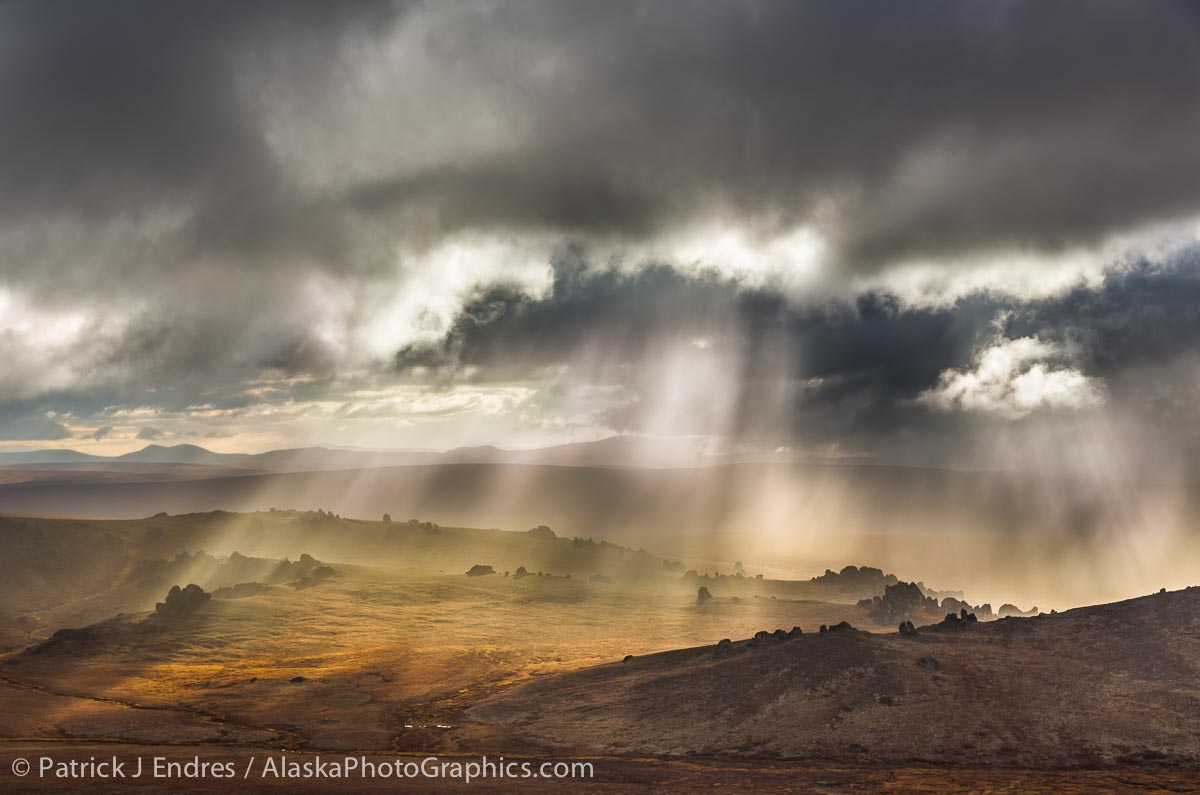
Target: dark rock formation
(953,605)
(702,595)
(182,602)
(543,532)
(902,602)
(857,579)
(480,570)
(841,626)
(600,578)
(724,647)
(907,628)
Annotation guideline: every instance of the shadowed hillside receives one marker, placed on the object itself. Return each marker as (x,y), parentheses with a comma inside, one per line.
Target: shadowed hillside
(1111,684)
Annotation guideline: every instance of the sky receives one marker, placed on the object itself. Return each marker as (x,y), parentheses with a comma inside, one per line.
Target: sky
(946,233)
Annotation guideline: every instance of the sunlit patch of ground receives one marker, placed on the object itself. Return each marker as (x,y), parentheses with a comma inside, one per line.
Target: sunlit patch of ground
(379,658)
(396,661)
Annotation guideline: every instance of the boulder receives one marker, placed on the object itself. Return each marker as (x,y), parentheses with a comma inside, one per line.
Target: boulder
(900,602)
(182,602)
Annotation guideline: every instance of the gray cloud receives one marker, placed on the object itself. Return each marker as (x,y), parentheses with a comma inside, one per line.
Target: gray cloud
(31,428)
(860,373)
(802,376)
(902,132)
(921,132)
(148,433)
(215,200)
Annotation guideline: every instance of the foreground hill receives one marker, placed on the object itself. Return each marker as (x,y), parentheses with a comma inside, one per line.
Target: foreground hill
(1111,684)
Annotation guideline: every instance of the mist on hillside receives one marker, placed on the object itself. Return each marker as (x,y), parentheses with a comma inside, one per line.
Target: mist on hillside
(1049,540)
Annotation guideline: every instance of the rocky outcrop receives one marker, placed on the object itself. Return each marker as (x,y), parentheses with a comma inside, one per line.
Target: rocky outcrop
(963,618)
(903,601)
(543,532)
(857,579)
(181,602)
(952,605)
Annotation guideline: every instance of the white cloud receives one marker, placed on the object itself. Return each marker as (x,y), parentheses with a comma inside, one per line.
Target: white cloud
(1013,377)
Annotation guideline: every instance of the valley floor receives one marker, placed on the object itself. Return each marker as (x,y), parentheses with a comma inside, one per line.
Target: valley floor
(399,663)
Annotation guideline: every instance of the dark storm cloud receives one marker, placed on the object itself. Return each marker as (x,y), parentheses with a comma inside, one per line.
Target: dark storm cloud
(113,107)
(30,427)
(139,125)
(1142,315)
(923,130)
(848,370)
(855,365)
(502,327)
(234,181)
(141,186)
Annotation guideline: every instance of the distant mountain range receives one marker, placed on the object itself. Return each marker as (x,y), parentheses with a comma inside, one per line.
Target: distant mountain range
(613,451)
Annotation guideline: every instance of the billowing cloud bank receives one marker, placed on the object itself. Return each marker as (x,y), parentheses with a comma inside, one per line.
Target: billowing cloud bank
(824,227)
